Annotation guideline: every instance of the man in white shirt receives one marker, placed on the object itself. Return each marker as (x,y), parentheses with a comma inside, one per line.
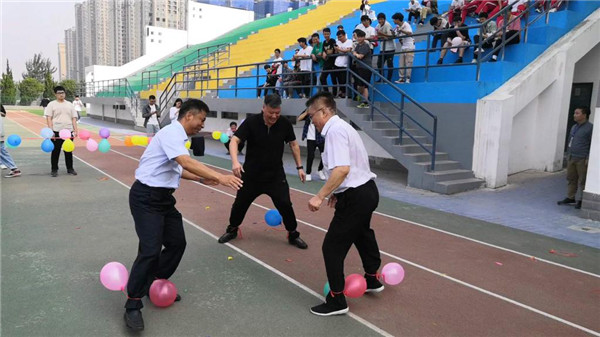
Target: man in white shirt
(370,32)
(60,114)
(343,46)
(157,222)
(277,64)
(388,45)
(151,113)
(78,105)
(404,31)
(414,10)
(304,56)
(351,189)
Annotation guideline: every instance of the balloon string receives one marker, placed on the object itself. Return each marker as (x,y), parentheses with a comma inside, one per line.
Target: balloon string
(376,275)
(240,233)
(277,228)
(333,293)
(129,298)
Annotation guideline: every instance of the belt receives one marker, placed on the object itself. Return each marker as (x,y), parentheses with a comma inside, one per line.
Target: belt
(161,189)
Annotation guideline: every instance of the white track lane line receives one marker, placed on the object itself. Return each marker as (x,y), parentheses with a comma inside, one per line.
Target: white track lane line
(463,283)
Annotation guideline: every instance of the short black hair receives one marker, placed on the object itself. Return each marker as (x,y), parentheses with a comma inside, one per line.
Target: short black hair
(434,20)
(278,50)
(273,101)
(365,17)
(315,35)
(325,97)
(483,15)
(266,66)
(193,106)
(76,96)
(302,40)
(340,26)
(341,32)
(584,110)
(398,16)
(381,16)
(59,88)
(152,97)
(178,100)
(360,33)
(326,30)
(232,124)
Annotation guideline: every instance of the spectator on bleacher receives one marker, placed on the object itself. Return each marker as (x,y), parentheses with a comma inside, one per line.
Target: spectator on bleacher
(513,33)
(343,46)
(502,4)
(470,6)
(370,32)
(427,7)
(174,111)
(519,6)
(487,6)
(404,31)
(487,32)
(291,80)
(317,56)
(270,82)
(340,27)
(365,9)
(329,60)
(151,114)
(304,56)
(414,11)
(439,23)
(554,5)
(363,52)
(277,64)
(455,8)
(388,45)
(458,39)
(314,141)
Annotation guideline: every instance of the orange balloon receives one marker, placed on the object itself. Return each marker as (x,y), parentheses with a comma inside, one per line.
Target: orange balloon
(128,141)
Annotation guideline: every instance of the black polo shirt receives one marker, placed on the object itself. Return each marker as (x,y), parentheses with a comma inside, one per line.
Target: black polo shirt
(264,147)
(329,45)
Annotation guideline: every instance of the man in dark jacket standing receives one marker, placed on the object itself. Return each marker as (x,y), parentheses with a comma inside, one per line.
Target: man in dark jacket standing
(151,113)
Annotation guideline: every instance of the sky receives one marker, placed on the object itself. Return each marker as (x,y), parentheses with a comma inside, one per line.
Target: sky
(30,27)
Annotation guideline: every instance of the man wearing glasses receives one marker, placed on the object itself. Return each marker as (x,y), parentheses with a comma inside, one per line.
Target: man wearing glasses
(352,191)
(60,114)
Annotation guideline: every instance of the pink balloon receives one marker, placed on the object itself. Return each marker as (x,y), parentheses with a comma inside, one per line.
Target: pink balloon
(114,276)
(163,293)
(392,273)
(64,134)
(91,145)
(84,134)
(356,285)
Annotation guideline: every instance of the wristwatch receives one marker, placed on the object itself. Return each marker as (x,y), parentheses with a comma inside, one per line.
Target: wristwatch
(300,168)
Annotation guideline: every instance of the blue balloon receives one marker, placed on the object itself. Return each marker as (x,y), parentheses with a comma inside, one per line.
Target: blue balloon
(273,218)
(14,140)
(224,138)
(104,145)
(326,289)
(47,145)
(47,133)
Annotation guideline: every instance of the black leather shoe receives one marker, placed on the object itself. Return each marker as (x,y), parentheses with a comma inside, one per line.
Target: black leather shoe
(72,172)
(578,205)
(566,201)
(298,243)
(54,173)
(134,320)
(177,298)
(228,236)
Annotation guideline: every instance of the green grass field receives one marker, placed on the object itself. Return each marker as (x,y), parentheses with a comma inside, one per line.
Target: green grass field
(40,111)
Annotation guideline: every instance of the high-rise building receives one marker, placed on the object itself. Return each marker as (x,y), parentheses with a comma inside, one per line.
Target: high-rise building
(62,62)
(71,53)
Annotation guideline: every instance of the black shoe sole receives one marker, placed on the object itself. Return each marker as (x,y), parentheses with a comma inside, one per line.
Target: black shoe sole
(134,328)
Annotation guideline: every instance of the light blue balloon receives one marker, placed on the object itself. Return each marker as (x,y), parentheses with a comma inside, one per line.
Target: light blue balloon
(326,289)
(47,133)
(47,145)
(224,138)
(104,146)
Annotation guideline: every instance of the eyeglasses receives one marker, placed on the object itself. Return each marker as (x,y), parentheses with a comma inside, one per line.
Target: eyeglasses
(60,92)
(320,109)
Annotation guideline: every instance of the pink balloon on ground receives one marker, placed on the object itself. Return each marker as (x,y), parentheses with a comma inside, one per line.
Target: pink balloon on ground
(356,285)
(392,273)
(163,293)
(114,276)
(91,145)
(84,134)
(64,134)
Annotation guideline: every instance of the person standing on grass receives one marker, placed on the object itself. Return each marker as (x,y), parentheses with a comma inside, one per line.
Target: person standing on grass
(61,114)
(5,158)
(351,189)
(158,223)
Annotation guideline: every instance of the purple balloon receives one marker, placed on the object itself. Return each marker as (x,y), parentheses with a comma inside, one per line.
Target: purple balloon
(104,133)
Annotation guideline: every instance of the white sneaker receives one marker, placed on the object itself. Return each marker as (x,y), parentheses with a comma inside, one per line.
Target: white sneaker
(322,175)
(308,177)
(407,81)
(552,10)
(2,166)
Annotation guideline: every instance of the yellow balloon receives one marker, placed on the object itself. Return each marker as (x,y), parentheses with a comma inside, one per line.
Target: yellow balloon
(68,146)
(136,140)
(216,135)
(143,141)
(188,144)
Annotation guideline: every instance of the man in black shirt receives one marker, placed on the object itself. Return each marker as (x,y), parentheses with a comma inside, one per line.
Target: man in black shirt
(265,135)
(328,50)
(459,39)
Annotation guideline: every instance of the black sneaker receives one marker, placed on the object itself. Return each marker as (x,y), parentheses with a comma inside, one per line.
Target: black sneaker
(72,172)
(177,298)
(54,173)
(578,205)
(228,236)
(294,239)
(459,60)
(566,201)
(373,284)
(134,320)
(333,306)
(440,61)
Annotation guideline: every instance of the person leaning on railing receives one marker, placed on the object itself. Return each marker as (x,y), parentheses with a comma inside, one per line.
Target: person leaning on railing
(404,30)
(439,23)
(343,46)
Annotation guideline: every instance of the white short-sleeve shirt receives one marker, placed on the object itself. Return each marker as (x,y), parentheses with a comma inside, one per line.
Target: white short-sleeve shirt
(342,61)
(343,147)
(306,64)
(158,167)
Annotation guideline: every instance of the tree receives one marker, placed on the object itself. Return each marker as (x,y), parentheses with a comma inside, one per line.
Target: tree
(7,87)
(30,90)
(37,68)
(49,85)
(70,89)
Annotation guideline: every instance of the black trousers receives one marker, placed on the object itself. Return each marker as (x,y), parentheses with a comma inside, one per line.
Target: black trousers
(351,224)
(413,14)
(387,57)
(279,191)
(340,78)
(509,34)
(307,80)
(157,224)
(323,79)
(58,142)
(439,37)
(311,146)
(240,146)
